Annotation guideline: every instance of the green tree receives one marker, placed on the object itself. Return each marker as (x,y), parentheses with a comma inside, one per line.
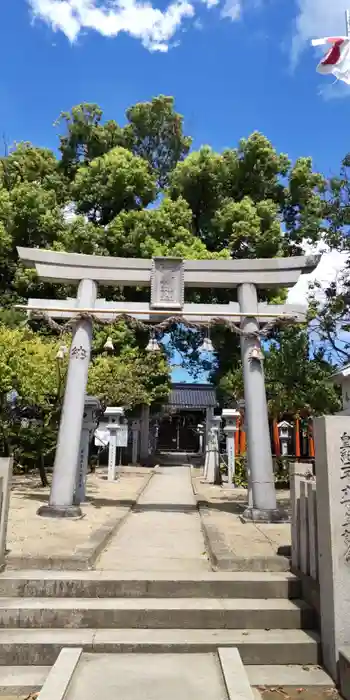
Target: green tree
(130,378)
(85,137)
(248,230)
(114,182)
(81,236)
(26,163)
(277,199)
(330,311)
(165,230)
(305,207)
(297,376)
(198,180)
(29,428)
(137,192)
(155,132)
(330,306)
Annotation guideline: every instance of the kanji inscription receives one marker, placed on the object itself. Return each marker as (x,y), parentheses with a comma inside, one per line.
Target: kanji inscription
(167,289)
(345,491)
(78,353)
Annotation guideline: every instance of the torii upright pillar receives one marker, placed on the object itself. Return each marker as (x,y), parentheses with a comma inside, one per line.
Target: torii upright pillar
(258,433)
(64,477)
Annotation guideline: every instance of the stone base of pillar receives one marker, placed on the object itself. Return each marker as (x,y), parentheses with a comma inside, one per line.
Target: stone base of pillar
(257,515)
(48,511)
(149,461)
(77,502)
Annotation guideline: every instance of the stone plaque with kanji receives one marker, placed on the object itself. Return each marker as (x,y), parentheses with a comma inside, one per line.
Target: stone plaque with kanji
(167,284)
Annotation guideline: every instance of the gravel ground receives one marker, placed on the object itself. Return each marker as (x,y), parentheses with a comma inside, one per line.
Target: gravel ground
(30,535)
(225,505)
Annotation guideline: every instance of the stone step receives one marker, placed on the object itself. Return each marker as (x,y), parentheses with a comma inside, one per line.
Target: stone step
(41,647)
(172,459)
(111,584)
(304,676)
(22,680)
(157,613)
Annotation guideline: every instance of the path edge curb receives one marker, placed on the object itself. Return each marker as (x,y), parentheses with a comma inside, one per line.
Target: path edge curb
(61,674)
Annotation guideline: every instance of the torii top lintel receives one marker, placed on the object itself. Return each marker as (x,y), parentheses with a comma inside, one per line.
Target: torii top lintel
(74,267)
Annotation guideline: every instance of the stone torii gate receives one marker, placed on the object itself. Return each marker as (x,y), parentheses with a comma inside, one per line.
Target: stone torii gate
(167,278)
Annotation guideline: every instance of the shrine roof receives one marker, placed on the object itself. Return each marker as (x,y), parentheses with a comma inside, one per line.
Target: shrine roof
(195,396)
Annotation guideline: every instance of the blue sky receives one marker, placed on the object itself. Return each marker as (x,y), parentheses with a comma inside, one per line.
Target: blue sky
(230,75)
(234,66)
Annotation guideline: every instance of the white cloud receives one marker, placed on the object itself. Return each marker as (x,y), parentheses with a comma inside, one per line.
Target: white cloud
(198,24)
(231,9)
(317,18)
(153,27)
(329,269)
(211,3)
(140,19)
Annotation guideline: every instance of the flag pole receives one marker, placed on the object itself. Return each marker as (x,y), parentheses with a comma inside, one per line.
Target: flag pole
(347,22)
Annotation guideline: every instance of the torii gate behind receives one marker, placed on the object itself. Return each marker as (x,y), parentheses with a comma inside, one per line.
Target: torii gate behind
(167,278)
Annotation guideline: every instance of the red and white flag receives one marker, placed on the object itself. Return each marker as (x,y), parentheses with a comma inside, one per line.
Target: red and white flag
(337,59)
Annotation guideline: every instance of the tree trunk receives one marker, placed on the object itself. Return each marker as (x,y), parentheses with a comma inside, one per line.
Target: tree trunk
(42,472)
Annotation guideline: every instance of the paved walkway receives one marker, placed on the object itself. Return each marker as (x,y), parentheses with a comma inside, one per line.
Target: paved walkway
(163,533)
(132,677)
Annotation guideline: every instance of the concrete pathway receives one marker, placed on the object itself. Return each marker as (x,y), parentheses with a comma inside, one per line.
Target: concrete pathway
(163,533)
(137,677)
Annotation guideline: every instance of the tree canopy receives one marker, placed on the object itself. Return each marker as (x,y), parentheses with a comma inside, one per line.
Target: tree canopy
(136,190)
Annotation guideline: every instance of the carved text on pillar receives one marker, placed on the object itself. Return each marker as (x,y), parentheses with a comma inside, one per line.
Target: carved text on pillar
(345,491)
(78,353)
(81,468)
(167,284)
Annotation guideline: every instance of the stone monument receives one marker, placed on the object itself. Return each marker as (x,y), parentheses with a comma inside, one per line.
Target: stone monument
(212,454)
(332,450)
(135,431)
(200,432)
(91,407)
(6,467)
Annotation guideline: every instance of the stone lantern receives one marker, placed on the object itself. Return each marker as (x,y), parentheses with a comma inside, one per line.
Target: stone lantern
(114,415)
(284,429)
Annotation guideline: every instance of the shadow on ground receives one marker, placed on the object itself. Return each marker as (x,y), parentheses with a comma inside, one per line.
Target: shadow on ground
(91,500)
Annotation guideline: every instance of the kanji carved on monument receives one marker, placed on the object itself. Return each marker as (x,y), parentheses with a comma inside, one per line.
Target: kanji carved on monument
(345,491)
(167,283)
